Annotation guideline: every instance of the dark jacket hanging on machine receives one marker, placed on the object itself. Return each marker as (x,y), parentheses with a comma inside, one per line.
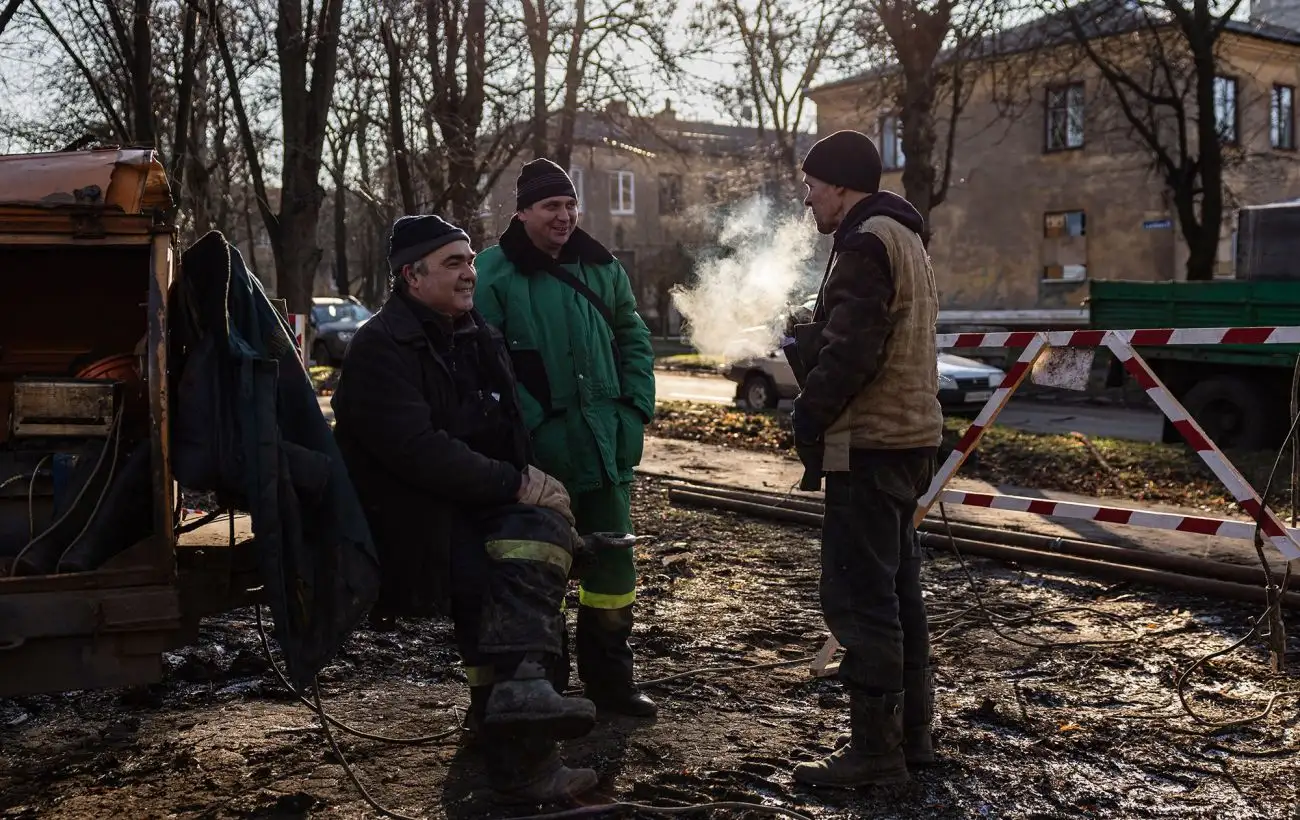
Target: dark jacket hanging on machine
(246,424)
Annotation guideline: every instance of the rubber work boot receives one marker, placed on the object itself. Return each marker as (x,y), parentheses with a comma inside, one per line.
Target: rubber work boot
(918,714)
(529,705)
(874,756)
(605,662)
(472,726)
(520,776)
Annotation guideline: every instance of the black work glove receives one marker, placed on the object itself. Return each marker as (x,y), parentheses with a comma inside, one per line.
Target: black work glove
(807,432)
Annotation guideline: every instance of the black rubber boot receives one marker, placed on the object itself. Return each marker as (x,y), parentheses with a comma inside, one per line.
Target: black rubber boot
(918,715)
(531,771)
(605,662)
(473,723)
(528,705)
(874,756)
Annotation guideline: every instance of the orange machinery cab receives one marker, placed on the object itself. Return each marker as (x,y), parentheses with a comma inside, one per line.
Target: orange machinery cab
(86,260)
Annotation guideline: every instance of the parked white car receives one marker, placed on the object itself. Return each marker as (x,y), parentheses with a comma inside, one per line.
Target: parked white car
(763,381)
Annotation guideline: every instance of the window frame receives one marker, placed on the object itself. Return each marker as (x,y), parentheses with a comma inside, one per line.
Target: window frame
(1233,82)
(616,208)
(892,157)
(1048,110)
(677,204)
(1274,121)
(1083,234)
(579,181)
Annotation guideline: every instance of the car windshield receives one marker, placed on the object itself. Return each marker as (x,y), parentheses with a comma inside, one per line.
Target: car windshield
(340,312)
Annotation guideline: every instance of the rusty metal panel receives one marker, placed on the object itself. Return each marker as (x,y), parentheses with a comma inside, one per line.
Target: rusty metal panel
(129,180)
(162,269)
(84,639)
(62,407)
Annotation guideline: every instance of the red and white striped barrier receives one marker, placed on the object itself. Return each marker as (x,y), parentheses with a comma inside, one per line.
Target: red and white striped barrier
(1121,343)
(1137,338)
(1049,508)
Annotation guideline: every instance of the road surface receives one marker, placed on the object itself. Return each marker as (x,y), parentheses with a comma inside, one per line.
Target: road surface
(1034,417)
(1095,421)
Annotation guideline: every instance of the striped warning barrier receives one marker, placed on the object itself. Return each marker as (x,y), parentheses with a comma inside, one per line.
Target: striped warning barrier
(1122,344)
(1050,508)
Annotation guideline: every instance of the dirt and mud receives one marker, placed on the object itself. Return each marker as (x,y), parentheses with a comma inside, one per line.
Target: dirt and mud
(1025,730)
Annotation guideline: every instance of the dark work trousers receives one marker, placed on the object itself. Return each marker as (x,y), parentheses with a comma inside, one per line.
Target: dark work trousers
(871,566)
(471,572)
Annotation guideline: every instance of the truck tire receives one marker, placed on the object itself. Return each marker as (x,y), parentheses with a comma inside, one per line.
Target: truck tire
(1233,412)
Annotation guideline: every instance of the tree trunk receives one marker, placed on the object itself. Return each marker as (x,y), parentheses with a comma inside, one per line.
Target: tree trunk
(539,44)
(7,13)
(341,282)
(396,122)
(572,81)
(919,139)
(142,75)
(1203,240)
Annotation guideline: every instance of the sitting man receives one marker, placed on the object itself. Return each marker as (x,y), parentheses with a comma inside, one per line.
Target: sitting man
(428,422)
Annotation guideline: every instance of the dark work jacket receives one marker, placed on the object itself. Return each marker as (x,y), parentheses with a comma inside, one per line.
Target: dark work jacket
(428,422)
(245,424)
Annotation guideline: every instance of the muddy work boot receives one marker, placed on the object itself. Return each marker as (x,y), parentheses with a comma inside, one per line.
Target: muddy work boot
(532,772)
(918,714)
(528,705)
(874,756)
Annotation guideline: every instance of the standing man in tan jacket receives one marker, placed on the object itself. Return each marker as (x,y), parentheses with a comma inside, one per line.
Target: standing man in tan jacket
(869,410)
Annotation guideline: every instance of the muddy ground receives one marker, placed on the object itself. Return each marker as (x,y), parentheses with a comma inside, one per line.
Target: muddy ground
(1092,730)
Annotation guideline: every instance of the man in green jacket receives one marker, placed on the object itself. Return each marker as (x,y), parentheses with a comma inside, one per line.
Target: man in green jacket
(585,370)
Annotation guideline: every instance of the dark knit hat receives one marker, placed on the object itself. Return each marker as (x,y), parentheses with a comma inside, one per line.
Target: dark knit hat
(541,179)
(845,158)
(415,237)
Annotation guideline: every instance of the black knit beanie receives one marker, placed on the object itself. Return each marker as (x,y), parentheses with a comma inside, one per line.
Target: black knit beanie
(415,237)
(541,179)
(846,158)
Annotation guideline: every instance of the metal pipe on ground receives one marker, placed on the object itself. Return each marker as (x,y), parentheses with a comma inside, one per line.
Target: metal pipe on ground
(1094,567)
(1084,549)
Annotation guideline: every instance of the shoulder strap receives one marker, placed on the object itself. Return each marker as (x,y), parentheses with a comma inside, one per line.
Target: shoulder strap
(559,272)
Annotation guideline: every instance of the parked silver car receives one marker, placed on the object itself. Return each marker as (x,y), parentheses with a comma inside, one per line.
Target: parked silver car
(763,381)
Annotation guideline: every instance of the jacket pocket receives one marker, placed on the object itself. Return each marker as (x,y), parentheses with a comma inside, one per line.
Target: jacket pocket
(530,372)
(630,437)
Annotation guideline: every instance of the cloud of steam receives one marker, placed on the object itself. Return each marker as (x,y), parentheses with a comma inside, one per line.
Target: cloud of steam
(737,306)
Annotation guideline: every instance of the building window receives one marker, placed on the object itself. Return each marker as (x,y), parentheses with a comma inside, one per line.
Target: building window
(891,143)
(622,193)
(1065,117)
(670,194)
(1281,123)
(1225,108)
(575,174)
(1065,257)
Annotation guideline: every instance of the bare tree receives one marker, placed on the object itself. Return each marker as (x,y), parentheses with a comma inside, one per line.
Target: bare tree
(779,47)
(307,43)
(932,54)
(7,13)
(588,54)
(1159,60)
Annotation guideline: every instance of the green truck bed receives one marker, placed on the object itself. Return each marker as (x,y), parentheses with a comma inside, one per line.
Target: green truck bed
(1130,305)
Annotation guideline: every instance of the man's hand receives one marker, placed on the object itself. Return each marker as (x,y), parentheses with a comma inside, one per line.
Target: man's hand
(806,430)
(541,490)
(797,316)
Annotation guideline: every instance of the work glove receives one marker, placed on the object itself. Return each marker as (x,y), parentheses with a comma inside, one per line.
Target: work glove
(541,490)
(807,431)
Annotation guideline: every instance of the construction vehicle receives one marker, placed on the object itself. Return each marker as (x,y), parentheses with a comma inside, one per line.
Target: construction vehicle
(96,580)
(1240,394)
